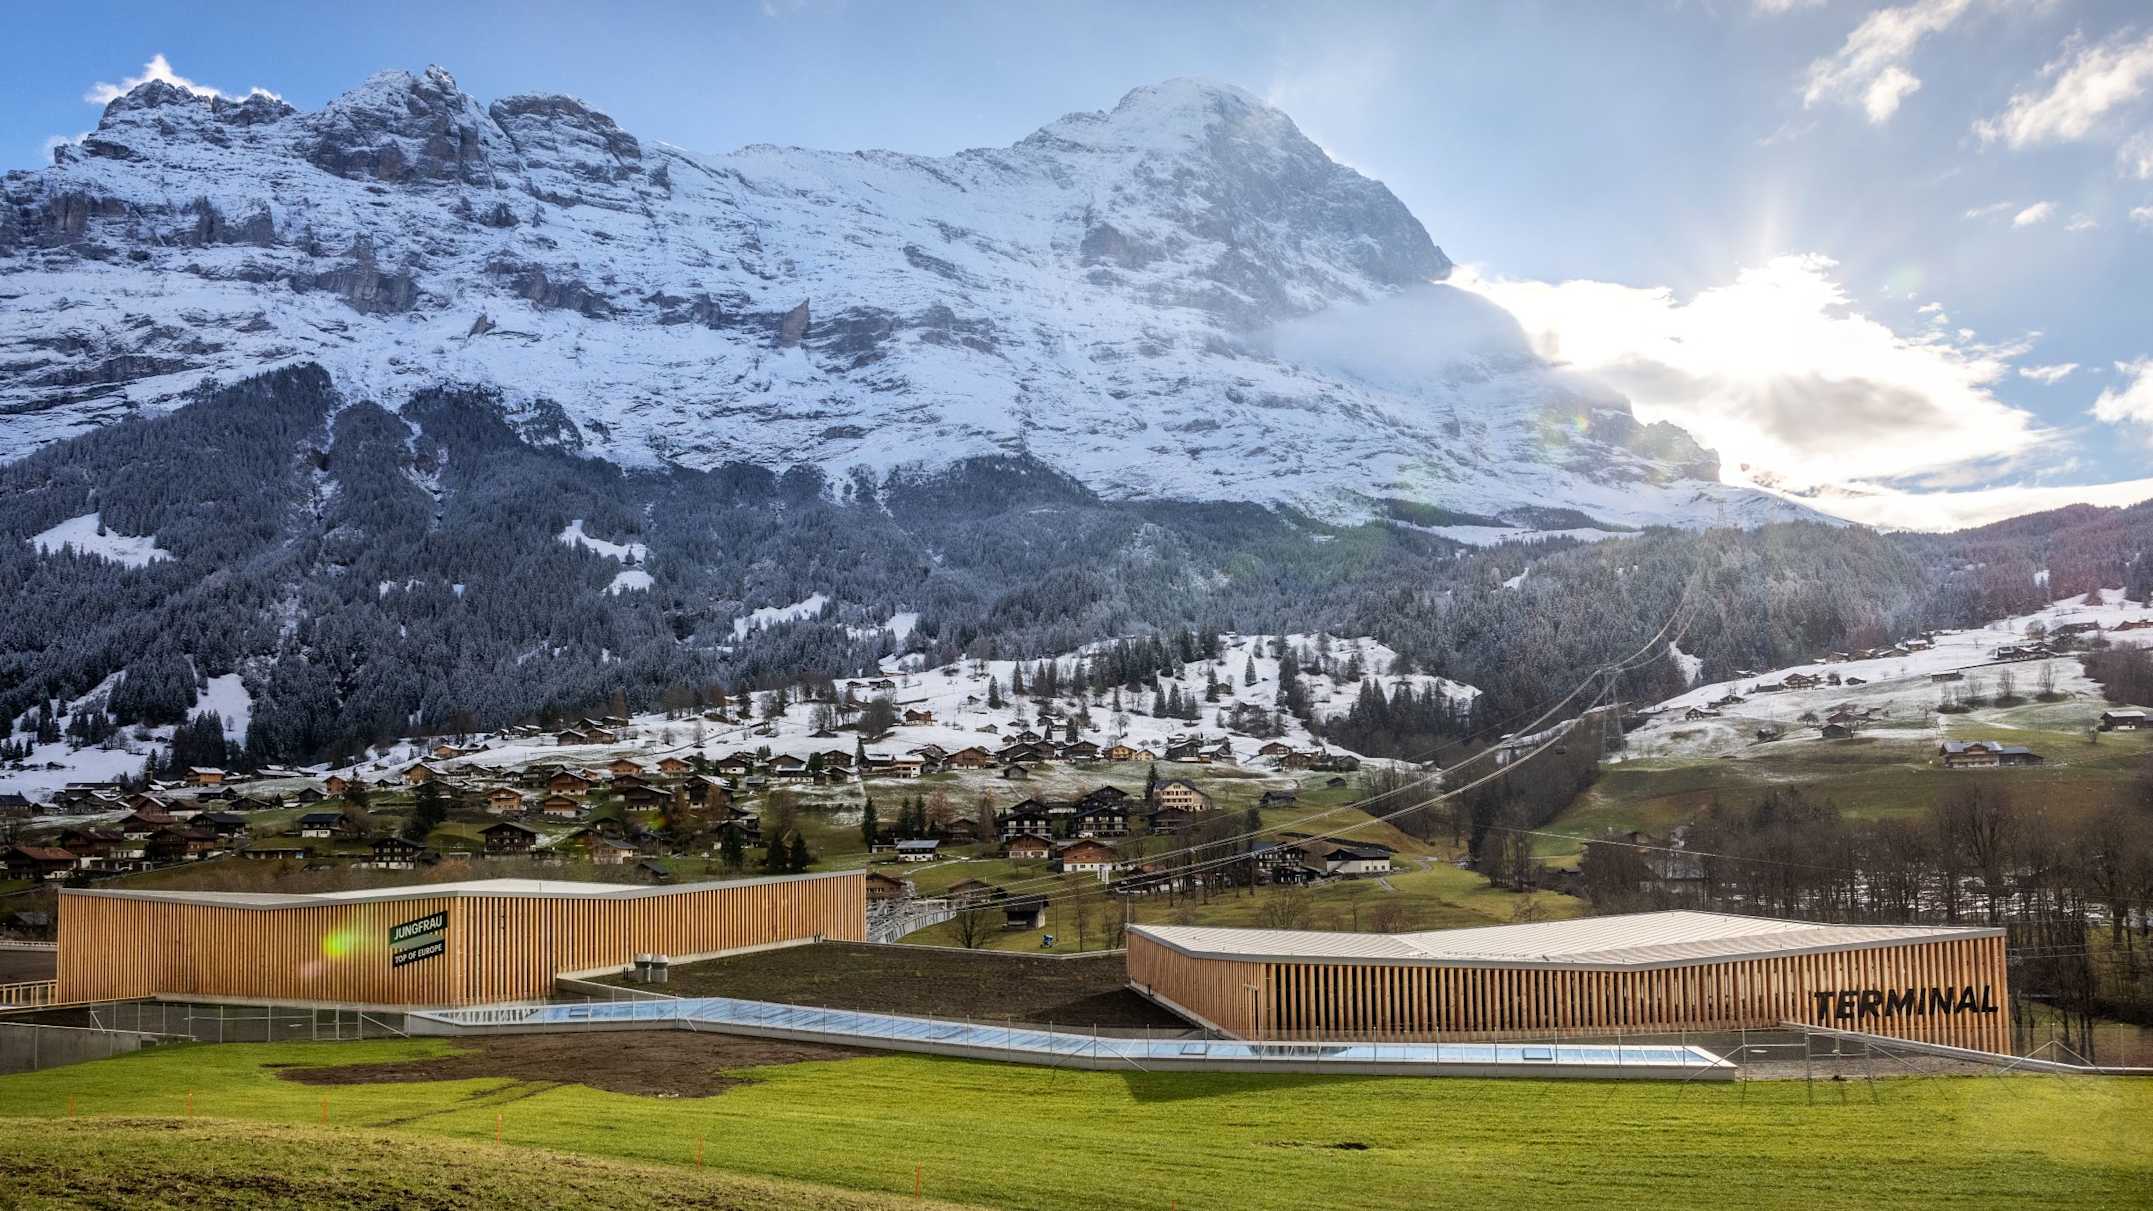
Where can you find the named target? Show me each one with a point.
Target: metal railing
(1055, 1045)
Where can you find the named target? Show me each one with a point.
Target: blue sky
(1852, 245)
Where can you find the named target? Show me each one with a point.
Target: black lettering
(1900, 1002)
(1966, 1000)
(1939, 1001)
(1988, 998)
(1872, 1000)
(1824, 1005)
(1844, 1008)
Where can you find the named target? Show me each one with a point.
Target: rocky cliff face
(1108, 295)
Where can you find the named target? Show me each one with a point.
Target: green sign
(418, 939)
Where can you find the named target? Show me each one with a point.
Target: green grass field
(1870, 776)
(1011, 1136)
(163, 1162)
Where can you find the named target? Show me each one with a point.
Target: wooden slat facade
(1430, 1001)
(496, 947)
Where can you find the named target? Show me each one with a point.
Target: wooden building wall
(1227, 994)
(1423, 1002)
(496, 947)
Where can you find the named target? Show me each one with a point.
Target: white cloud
(158, 68)
(1899, 509)
(1991, 210)
(2142, 214)
(2081, 222)
(2134, 402)
(2048, 374)
(2135, 158)
(2086, 83)
(1891, 86)
(1774, 8)
(1780, 374)
(1871, 68)
(2039, 212)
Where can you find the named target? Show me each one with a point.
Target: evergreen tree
(869, 826)
(798, 859)
(1248, 671)
(732, 854)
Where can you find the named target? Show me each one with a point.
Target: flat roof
(527, 888)
(1626, 941)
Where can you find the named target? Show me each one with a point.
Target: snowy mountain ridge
(1180, 298)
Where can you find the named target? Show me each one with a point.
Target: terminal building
(444, 944)
(1641, 973)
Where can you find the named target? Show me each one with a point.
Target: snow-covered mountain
(1182, 298)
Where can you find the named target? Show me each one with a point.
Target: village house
(1101, 818)
(201, 775)
(882, 889)
(568, 782)
(1981, 754)
(561, 807)
(1028, 847)
(420, 772)
(624, 765)
(1167, 821)
(1181, 794)
(274, 853)
(397, 853)
(1275, 749)
(38, 862)
(919, 717)
(675, 766)
(326, 824)
(918, 849)
(706, 792)
(1027, 819)
(1353, 861)
(507, 838)
(1016, 773)
(336, 784)
(1278, 798)
(2123, 720)
(504, 800)
(972, 757)
(1837, 731)
(1087, 857)
(1118, 752)
(1080, 750)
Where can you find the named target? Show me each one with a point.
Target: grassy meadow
(1013, 1136)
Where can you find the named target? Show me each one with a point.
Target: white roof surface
(1645, 939)
(467, 887)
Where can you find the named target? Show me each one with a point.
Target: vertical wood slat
(1425, 1002)
(497, 946)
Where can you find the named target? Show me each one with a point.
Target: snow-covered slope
(1896, 695)
(1180, 298)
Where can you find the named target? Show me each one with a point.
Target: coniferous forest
(373, 574)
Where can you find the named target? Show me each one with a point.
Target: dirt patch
(652, 1063)
(982, 985)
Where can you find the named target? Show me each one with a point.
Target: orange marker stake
(70, 1105)
(497, 1127)
(917, 1170)
(698, 1151)
(190, 1103)
(325, 1112)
